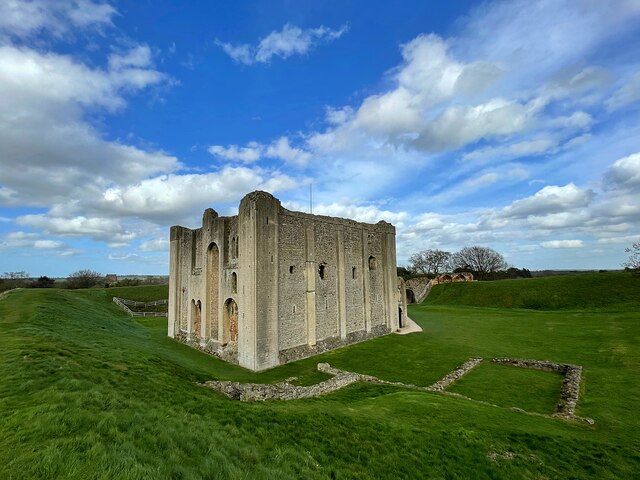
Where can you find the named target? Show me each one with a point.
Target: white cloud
(22, 18)
(280, 149)
(624, 174)
(49, 151)
(548, 200)
(562, 244)
(458, 125)
(291, 40)
(160, 244)
(23, 240)
(102, 229)
(523, 148)
(361, 213)
(249, 154)
(139, 56)
(283, 150)
(169, 198)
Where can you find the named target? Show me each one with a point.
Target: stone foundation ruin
(269, 285)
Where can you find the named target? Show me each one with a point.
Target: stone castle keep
(269, 285)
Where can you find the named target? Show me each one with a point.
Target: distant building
(110, 279)
(269, 285)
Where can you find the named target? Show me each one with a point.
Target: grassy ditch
(88, 392)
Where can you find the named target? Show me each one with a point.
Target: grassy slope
(593, 291)
(87, 392)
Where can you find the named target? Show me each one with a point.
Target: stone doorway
(231, 320)
(411, 297)
(400, 322)
(196, 318)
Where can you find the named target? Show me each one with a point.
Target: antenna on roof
(311, 198)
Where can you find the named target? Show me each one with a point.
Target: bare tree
(634, 259)
(480, 260)
(9, 280)
(83, 279)
(429, 261)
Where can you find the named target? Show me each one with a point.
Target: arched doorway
(400, 320)
(411, 297)
(230, 321)
(196, 318)
(213, 276)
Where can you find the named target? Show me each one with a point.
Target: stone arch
(411, 297)
(373, 263)
(213, 287)
(234, 282)
(196, 318)
(230, 321)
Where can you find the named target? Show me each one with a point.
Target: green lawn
(88, 392)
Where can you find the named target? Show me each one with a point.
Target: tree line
(84, 278)
(483, 262)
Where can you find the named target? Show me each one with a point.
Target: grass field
(88, 392)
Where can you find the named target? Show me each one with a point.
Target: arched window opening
(211, 303)
(373, 264)
(234, 282)
(353, 272)
(230, 321)
(291, 269)
(196, 318)
(234, 246)
(321, 270)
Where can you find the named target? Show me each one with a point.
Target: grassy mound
(588, 291)
(88, 392)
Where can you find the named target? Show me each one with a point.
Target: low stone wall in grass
(455, 375)
(252, 392)
(570, 390)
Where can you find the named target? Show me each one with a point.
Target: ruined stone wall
(356, 270)
(270, 285)
(292, 311)
(334, 285)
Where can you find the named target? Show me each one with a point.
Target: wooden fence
(124, 304)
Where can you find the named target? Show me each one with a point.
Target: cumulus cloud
(48, 148)
(291, 40)
(102, 229)
(21, 18)
(550, 199)
(624, 174)
(361, 213)
(33, 241)
(168, 198)
(283, 150)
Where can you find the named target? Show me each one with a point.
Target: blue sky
(513, 125)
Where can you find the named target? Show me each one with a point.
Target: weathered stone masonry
(270, 285)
